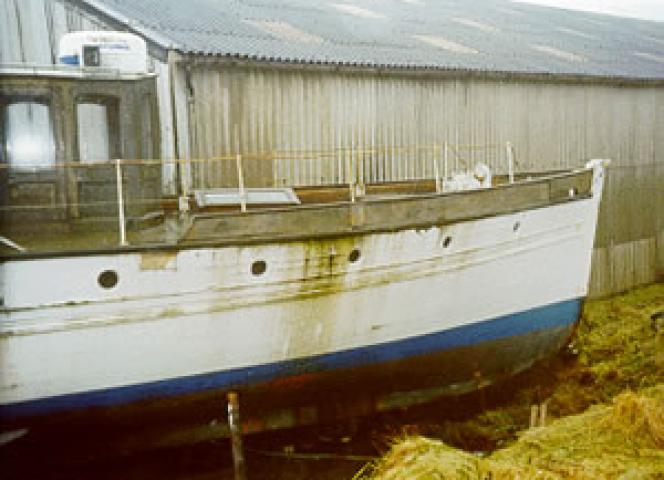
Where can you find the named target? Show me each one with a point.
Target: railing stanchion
(349, 173)
(436, 169)
(445, 160)
(240, 174)
(121, 212)
(510, 161)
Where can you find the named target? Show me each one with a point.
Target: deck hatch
(217, 197)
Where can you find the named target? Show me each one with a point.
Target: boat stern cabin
(60, 130)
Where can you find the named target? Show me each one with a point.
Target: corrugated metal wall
(308, 127)
(391, 123)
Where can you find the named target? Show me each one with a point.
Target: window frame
(112, 104)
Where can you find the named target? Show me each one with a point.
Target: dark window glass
(91, 56)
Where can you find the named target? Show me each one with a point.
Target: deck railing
(124, 191)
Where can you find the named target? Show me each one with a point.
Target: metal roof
(486, 35)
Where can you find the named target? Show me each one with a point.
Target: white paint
(204, 311)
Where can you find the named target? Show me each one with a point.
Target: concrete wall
(391, 122)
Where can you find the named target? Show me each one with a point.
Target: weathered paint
(210, 313)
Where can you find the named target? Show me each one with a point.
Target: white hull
(182, 313)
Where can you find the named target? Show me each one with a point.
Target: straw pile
(623, 440)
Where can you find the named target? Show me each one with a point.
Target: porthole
(516, 227)
(108, 279)
(354, 255)
(447, 242)
(258, 267)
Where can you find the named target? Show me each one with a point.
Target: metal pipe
(121, 212)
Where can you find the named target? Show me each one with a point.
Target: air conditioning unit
(121, 51)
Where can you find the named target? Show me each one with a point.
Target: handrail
(380, 150)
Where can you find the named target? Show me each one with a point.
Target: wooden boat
(330, 292)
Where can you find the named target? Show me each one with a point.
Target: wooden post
(120, 194)
(236, 435)
(534, 414)
(542, 413)
(538, 414)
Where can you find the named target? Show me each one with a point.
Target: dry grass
(624, 440)
(619, 373)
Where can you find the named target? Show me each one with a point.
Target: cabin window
(97, 130)
(29, 142)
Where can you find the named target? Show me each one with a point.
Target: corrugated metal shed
(494, 35)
